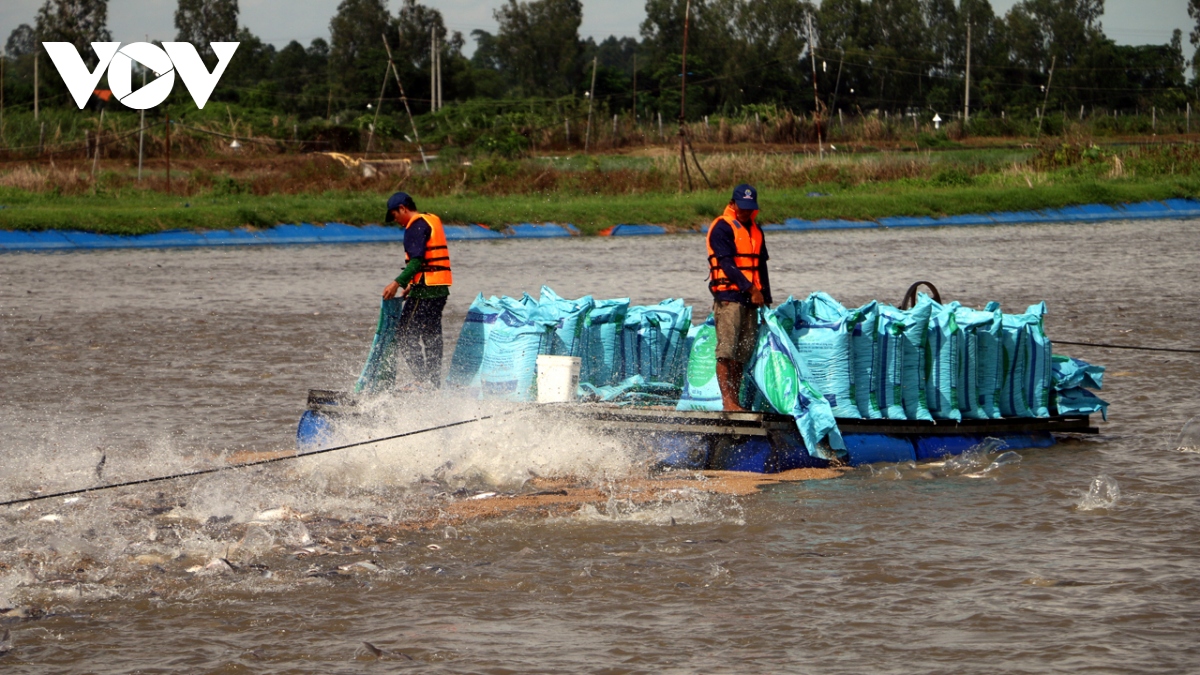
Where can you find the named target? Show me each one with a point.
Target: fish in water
(6, 643)
(380, 653)
(100, 466)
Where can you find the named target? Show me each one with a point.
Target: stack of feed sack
(467, 360)
(1072, 378)
(700, 388)
(899, 366)
(821, 331)
(979, 351)
(863, 323)
(568, 317)
(517, 336)
(779, 371)
(603, 354)
(946, 364)
(653, 342)
(1025, 364)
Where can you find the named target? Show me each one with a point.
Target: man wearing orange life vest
(737, 278)
(426, 282)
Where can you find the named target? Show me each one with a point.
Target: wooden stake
(967, 91)
(812, 53)
(1042, 112)
(168, 154)
(96, 152)
(683, 171)
(379, 105)
(404, 99)
(591, 101)
(142, 132)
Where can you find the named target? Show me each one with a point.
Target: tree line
(891, 56)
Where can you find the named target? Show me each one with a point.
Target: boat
(750, 441)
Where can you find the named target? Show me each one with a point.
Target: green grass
(136, 212)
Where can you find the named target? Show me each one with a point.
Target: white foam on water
(517, 443)
(1103, 494)
(1189, 436)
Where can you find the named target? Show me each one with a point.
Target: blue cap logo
(746, 197)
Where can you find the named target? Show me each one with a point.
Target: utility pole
(967, 90)
(404, 99)
(37, 56)
(812, 53)
(687, 10)
(2, 60)
(1042, 112)
(591, 101)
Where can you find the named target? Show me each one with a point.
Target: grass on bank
(592, 193)
(148, 213)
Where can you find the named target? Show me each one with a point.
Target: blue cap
(396, 201)
(745, 197)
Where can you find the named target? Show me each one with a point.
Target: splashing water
(1189, 436)
(1103, 494)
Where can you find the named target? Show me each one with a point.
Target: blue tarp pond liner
(339, 233)
(540, 230)
(633, 230)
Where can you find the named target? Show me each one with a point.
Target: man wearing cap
(426, 283)
(737, 279)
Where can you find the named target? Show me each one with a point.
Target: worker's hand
(404, 293)
(756, 297)
(389, 291)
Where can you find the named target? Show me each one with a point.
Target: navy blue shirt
(416, 235)
(725, 250)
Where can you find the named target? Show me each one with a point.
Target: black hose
(260, 462)
(1141, 349)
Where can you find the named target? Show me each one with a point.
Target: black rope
(1141, 349)
(231, 467)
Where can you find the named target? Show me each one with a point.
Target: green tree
(202, 22)
(1193, 10)
(414, 24)
(357, 58)
(20, 42)
(80, 22)
(538, 45)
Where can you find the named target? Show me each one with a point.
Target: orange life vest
(435, 270)
(748, 241)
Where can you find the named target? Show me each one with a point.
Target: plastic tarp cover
(467, 360)
(568, 318)
(946, 363)
(820, 330)
(1079, 401)
(603, 326)
(517, 337)
(862, 343)
(779, 372)
(1069, 372)
(379, 372)
(701, 390)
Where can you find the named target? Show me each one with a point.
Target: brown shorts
(737, 330)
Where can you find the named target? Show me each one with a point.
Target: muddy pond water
(158, 362)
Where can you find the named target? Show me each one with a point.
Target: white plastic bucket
(557, 378)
